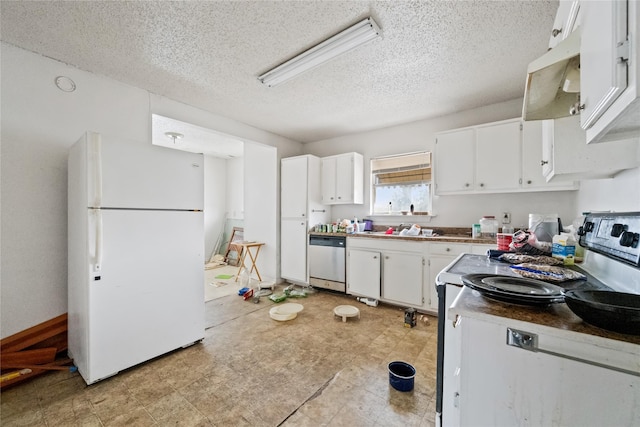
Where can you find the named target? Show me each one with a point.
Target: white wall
(451, 211)
(39, 124)
(621, 193)
(262, 196)
(215, 196)
(235, 188)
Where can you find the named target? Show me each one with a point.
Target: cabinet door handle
(544, 162)
(375, 257)
(457, 320)
(555, 32)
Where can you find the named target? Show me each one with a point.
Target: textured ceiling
(435, 57)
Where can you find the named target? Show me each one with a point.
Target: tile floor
(251, 370)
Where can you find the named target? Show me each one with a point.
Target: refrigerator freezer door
(148, 297)
(139, 175)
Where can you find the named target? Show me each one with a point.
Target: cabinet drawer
(448, 248)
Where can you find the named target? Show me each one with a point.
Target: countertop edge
(561, 322)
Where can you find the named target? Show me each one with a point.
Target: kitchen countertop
(557, 318)
(449, 238)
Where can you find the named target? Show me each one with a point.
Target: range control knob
(617, 230)
(588, 226)
(629, 239)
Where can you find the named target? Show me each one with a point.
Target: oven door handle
(529, 341)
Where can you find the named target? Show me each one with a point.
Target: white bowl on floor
(286, 311)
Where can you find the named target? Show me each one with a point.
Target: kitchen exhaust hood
(553, 82)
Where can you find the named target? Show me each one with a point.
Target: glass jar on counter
(488, 226)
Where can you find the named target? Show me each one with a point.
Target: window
(397, 182)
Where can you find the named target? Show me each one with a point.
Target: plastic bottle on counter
(475, 231)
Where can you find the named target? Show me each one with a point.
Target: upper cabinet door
(567, 19)
(604, 55)
(454, 161)
(344, 178)
(293, 187)
(329, 165)
(498, 156)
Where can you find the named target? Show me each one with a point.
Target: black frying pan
(614, 311)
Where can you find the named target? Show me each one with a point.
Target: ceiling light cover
(354, 36)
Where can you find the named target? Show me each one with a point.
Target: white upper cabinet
(343, 179)
(609, 71)
(454, 161)
(536, 160)
(294, 184)
(567, 20)
(499, 157)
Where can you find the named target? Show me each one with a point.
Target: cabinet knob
(555, 32)
(529, 182)
(481, 184)
(302, 214)
(339, 197)
(375, 257)
(466, 184)
(448, 249)
(386, 257)
(544, 162)
(576, 108)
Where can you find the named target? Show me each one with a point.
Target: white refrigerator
(135, 253)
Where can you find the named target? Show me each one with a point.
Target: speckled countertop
(471, 303)
(442, 234)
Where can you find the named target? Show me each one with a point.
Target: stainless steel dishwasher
(327, 257)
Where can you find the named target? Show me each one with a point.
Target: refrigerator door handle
(98, 249)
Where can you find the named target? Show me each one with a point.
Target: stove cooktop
(482, 264)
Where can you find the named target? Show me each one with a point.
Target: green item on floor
(277, 297)
(224, 276)
(297, 294)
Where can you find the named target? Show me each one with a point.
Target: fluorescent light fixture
(354, 36)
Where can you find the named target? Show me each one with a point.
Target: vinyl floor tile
(250, 370)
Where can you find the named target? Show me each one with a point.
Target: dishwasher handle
(330, 241)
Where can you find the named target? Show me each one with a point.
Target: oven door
(448, 357)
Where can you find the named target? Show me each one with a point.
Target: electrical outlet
(506, 218)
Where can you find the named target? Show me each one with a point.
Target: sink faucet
(399, 228)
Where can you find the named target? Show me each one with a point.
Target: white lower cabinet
(402, 277)
(502, 385)
(399, 271)
(389, 270)
(293, 251)
(363, 272)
